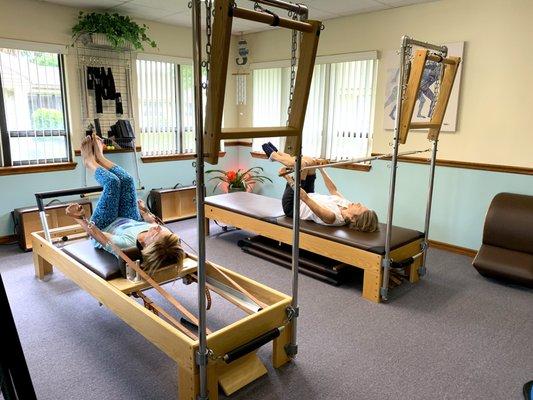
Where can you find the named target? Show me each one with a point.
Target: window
(166, 107)
(338, 120)
(33, 119)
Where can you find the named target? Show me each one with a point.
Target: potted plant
(111, 30)
(238, 181)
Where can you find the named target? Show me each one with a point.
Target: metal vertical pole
(394, 164)
(432, 165)
(136, 162)
(202, 355)
(425, 246)
(292, 348)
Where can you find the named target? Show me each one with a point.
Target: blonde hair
(367, 221)
(163, 252)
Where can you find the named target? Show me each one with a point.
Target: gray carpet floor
(456, 335)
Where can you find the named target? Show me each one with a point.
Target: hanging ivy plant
(119, 30)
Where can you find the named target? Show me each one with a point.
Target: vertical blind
(339, 110)
(34, 107)
(166, 108)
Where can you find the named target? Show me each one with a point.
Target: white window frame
(180, 61)
(326, 60)
(61, 50)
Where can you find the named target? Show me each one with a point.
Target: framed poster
(428, 86)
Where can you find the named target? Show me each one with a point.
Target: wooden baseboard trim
(174, 157)
(510, 169)
(8, 239)
(453, 248)
(238, 143)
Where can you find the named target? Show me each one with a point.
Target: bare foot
(86, 150)
(98, 147)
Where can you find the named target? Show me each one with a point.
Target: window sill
(31, 169)
(138, 148)
(174, 157)
(353, 167)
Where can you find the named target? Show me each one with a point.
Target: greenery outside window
(33, 109)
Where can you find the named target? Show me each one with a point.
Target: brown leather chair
(507, 249)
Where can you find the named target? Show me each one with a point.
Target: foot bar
(252, 345)
(272, 20)
(61, 193)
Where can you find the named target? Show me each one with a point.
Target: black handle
(252, 345)
(61, 193)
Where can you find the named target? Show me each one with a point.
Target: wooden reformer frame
(119, 296)
(370, 263)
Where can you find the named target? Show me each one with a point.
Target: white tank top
(331, 202)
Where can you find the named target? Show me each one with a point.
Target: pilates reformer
(232, 359)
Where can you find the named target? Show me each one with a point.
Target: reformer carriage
(226, 356)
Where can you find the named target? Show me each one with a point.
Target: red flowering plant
(239, 180)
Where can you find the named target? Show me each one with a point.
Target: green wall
(18, 190)
(461, 197)
(460, 202)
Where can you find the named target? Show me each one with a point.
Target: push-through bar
(356, 161)
(271, 19)
(62, 193)
(429, 46)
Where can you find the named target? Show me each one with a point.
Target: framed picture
(428, 87)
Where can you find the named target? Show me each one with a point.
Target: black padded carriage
(269, 209)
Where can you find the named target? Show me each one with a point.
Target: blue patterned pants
(118, 199)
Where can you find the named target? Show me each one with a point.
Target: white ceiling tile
(176, 12)
(172, 6)
(400, 3)
(96, 4)
(181, 19)
(143, 12)
(347, 7)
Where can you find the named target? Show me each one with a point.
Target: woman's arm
(326, 215)
(330, 185)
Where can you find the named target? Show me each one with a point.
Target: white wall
(497, 85)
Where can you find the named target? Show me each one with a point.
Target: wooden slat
(240, 373)
(302, 85)
(221, 39)
(269, 19)
(258, 132)
(445, 90)
(411, 93)
(423, 125)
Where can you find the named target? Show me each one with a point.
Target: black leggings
(287, 201)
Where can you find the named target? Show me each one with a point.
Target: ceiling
(176, 12)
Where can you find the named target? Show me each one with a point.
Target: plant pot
(100, 40)
(236, 189)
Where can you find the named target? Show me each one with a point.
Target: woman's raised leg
(106, 210)
(127, 206)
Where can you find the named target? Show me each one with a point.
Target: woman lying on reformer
(333, 209)
(122, 218)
